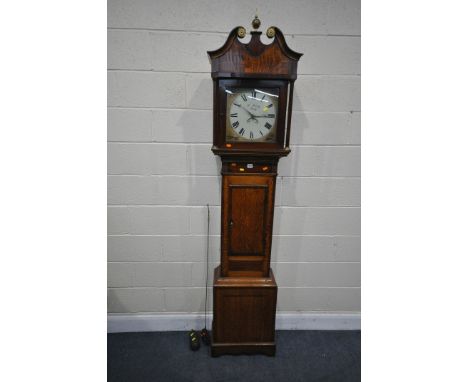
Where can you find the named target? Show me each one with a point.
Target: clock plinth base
(244, 312)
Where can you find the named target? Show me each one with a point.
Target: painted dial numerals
(252, 114)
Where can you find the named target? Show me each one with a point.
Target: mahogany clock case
(247, 220)
(244, 288)
(277, 87)
(244, 315)
(253, 65)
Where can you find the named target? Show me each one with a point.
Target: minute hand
(261, 116)
(251, 115)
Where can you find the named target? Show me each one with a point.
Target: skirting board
(119, 323)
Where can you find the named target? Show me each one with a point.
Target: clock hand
(251, 115)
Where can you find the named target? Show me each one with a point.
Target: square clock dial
(251, 115)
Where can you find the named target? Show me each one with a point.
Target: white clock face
(251, 116)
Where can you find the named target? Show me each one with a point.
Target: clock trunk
(248, 202)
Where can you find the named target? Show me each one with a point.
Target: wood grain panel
(247, 219)
(246, 223)
(244, 314)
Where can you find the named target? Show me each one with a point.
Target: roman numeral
(268, 126)
(251, 135)
(270, 105)
(235, 115)
(254, 93)
(271, 116)
(235, 124)
(260, 131)
(241, 131)
(243, 96)
(263, 97)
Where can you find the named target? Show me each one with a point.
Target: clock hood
(254, 59)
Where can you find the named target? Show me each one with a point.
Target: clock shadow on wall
(201, 164)
(200, 161)
(289, 166)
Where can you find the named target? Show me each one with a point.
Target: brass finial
(256, 22)
(241, 32)
(270, 32)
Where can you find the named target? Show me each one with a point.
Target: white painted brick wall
(162, 172)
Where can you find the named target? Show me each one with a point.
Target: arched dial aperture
(252, 115)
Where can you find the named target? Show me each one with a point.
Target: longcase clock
(252, 93)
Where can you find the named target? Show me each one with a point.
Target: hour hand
(271, 115)
(251, 115)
